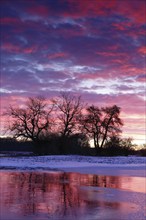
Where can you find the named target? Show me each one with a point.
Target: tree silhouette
(101, 123)
(33, 122)
(68, 110)
(111, 122)
(71, 128)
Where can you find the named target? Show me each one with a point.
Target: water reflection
(58, 195)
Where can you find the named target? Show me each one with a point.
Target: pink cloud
(86, 8)
(30, 50)
(122, 26)
(134, 10)
(17, 49)
(121, 62)
(117, 60)
(57, 55)
(10, 47)
(110, 54)
(142, 50)
(131, 70)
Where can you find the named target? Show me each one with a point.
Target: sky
(92, 48)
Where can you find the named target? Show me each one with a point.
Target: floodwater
(27, 195)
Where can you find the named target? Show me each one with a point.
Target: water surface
(59, 195)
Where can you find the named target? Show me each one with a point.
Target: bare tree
(91, 124)
(111, 123)
(32, 122)
(101, 123)
(68, 110)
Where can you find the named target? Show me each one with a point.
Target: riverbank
(125, 166)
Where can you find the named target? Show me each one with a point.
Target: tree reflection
(53, 193)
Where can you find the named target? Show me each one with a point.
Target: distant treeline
(74, 144)
(77, 146)
(11, 144)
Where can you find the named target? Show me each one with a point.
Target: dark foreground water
(68, 196)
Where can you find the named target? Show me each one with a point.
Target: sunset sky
(92, 48)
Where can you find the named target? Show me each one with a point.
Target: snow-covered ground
(131, 165)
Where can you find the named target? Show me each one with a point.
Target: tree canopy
(101, 123)
(32, 122)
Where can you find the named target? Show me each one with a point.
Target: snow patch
(70, 161)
